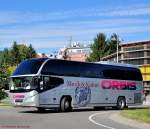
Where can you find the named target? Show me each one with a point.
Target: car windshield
(23, 83)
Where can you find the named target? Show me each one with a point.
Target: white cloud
(131, 12)
(52, 29)
(11, 17)
(71, 28)
(58, 37)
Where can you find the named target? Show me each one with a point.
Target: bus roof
(112, 63)
(116, 64)
(32, 66)
(102, 62)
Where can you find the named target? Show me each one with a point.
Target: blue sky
(48, 24)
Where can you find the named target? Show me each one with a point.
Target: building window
(134, 54)
(148, 53)
(148, 61)
(133, 48)
(148, 46)
(148, 84)
(135, 62)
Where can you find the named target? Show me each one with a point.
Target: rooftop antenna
(70, 41)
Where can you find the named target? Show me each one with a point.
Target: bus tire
(121, 103)
(65, 105)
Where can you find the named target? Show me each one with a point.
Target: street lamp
(117, 48)
(116, 38)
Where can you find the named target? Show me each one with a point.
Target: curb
(146, 103)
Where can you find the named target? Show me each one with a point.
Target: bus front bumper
(29, 99)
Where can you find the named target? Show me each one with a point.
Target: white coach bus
(51, 83)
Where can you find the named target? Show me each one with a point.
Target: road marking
(93, 121)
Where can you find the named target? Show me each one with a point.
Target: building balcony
(135, 58)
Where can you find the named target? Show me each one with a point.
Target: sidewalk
(147, 103)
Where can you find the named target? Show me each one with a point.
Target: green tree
(31, 52)
(15, 53)
(6, 57)
(114, 39)
(65, 56)
(3, 80)
(1, 56)
(23, 52)
(100, 48)
(10, 70)
(9, 58)
(113, 43)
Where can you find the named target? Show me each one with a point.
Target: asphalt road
(29, 118)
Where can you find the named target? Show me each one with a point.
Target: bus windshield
(24, 83)
(29, 67)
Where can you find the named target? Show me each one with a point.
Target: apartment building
(136, 53)
(75, 52)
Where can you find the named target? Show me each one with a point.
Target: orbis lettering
(118, 85)
(18, 96)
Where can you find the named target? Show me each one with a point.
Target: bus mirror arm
(41, 85)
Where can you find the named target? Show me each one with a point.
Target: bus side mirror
(41, 85)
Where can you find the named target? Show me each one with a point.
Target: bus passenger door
(49, 92)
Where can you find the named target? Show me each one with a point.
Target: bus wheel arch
(65, 103)
(121, 103)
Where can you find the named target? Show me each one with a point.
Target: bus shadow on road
(39, 112)
(82, 110)
(57, 111)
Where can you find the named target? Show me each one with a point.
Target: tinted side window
(91, 70)
(133, 75)
(139, 76)
(61, 68)
(114, 74)
(122, 74)
(52, 67)
(28, 67)
(78, 69)
(70, 68)
(52, 82)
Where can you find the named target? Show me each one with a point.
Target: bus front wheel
(65, 105)
(121, 103)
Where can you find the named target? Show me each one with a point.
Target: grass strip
(142, 115)
(5, 103)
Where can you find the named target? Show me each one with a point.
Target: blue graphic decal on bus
(83, 95)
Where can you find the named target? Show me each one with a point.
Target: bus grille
(19, 100)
